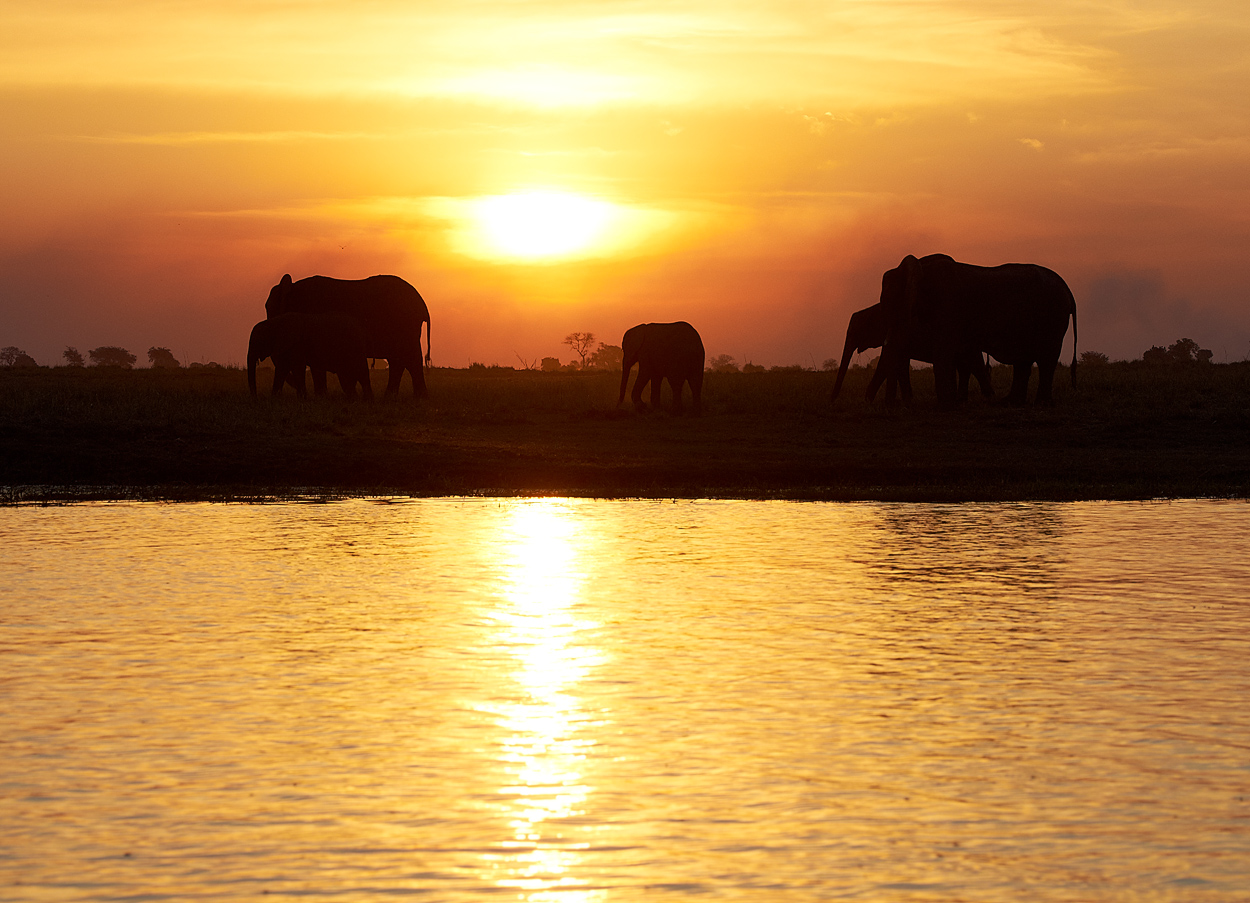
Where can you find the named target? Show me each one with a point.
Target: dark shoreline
(1126, 432)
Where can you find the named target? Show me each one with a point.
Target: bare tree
(580, 342)
(527, 365)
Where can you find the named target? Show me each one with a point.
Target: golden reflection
(545, 742)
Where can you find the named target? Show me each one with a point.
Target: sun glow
(542, 224)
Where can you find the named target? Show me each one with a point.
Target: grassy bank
(1126, 431)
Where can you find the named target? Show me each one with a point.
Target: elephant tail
(427, 339)
(1072, 369)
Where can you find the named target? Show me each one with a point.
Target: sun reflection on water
(545, 740)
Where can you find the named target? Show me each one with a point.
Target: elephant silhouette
(867, 329)
(388, 309)
(672, 351)
(333, 343)
(1017, 312)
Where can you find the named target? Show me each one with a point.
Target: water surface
(584, 700)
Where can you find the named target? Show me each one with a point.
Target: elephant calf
(333, 343)
(672, 351)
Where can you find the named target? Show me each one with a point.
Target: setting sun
(541, 224)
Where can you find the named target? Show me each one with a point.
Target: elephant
(672, 351)
(388, 309)
(1017, 313)
(321, 342)
(867, 330)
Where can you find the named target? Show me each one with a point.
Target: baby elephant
(324, 343)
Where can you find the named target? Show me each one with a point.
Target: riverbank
(1125, 432)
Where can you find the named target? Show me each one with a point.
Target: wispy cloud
(180, 139)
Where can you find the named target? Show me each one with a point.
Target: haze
(540, 168)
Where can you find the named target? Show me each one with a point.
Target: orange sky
(752, 167)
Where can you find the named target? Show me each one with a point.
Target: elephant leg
(1045, 381)
(318, 380)
(696, 392)
(1020, 374)
(945, 383)
(904, 383)
(985, 378)
(965, 376)
(418, 378)
(279, 378)
(878, 377)
(394, 374)
(636, 395)
(657, 391)
(677, 385)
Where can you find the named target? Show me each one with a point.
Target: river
(580, 700)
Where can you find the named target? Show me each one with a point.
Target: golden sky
(536, 168)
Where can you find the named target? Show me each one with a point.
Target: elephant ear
(913, 275)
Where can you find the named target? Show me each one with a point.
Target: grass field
(1126, 431)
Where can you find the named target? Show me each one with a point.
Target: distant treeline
(1182, 352)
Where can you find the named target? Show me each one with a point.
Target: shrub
(111, 356)
(162, 357)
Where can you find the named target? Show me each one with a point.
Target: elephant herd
(932, 309)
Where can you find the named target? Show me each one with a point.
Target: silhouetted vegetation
(73, 358)
(1093, 359)
(1128, 430)
(162, 357)
(606, 357)
(1181, 353)
(13, 356)
(722, 363)
(111, 356)
(580, 342)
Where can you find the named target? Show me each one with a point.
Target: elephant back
(389, 310)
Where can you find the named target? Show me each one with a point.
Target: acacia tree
(111, 356)
(722, 363)
(580, 342)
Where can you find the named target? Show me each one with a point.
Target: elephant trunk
(626, 366)
(847, 351)
(257, 350)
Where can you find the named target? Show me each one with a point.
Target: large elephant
(324, 343)
(1017, 313)
(389, 310)
(867, 330)
(671, 351)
